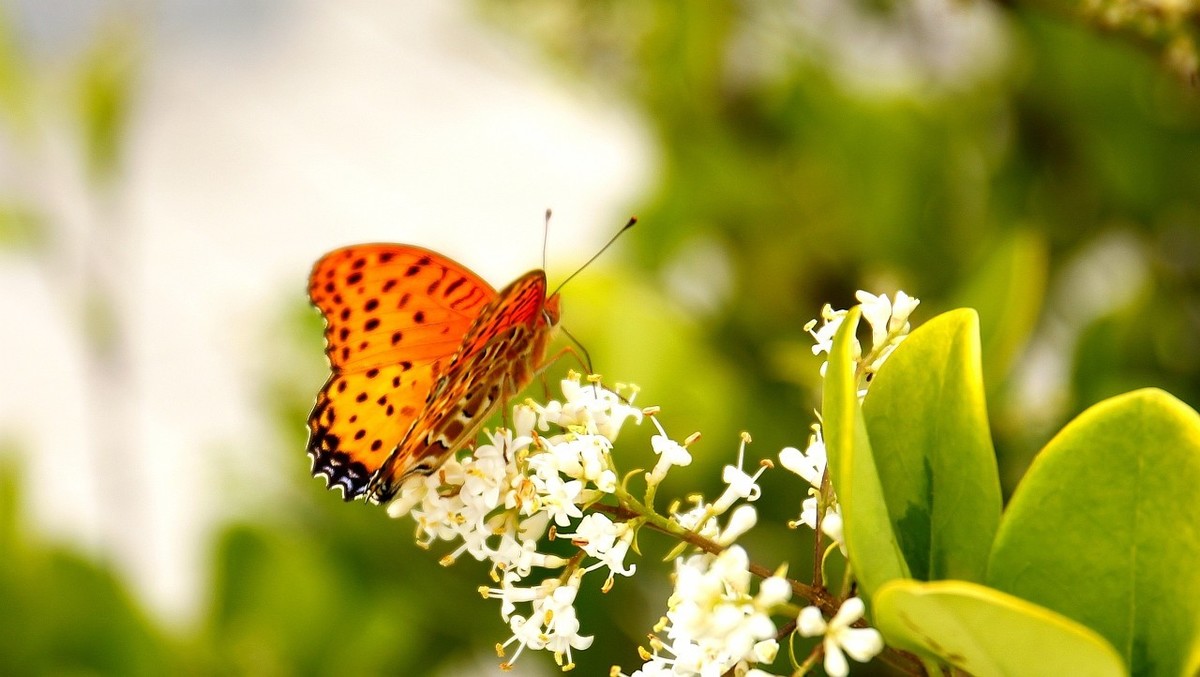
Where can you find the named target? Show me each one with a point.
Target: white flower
(823, 336)
(742, 519)
(485, 474)
(552, 625)
(510, 595)
(562, 624)
(810, 463)
(773, 591)
(862, 644)
(765, 652)
(607, 541)
(901, 309)
(670, 453)
(808, 512)
(740, 484)
(699, 519)
(831, 521)
(831, 526)
(877, 311)
(655, 667)
(534, 526)
(520, 556)
(888, 321)
(583, 457)
(596, 410)
(557, 498)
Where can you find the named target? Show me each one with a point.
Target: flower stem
(630, 508)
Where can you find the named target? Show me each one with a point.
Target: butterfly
(421, 352)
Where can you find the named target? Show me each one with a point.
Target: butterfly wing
(498, 357)
(395, 315)
(522, 303)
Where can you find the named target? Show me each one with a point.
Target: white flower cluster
(889, 326)
(553, 476)
(701, 518)
(713, 623)
(888, 322)
(500, 499)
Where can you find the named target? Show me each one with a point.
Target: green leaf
(926, 417)
(1007, 292)
(873, 551)
(987, 632)
(1105, 529)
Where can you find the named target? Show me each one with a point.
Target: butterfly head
(551, 311)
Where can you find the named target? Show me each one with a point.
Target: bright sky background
(266, 133)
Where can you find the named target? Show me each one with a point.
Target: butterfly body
(421, 351)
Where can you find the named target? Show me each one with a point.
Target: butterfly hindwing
(395, 316)
(358, 419)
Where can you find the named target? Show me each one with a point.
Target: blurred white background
(263, 134)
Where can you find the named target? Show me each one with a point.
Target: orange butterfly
(422, 351)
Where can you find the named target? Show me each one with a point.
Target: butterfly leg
(507, 388)
(583, 360)
(564, 352)
(505, 403)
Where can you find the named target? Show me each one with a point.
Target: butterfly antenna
(545, 237)
(627, 226)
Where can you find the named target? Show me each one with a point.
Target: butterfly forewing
(395, 316)
(388, 303)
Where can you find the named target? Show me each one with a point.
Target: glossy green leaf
(1105, 529)
(874, 553)
(987, 632)
(926, 417)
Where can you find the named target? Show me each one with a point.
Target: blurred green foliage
(62, 613)
(106, 84)
(990, 188)
(782, 182)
